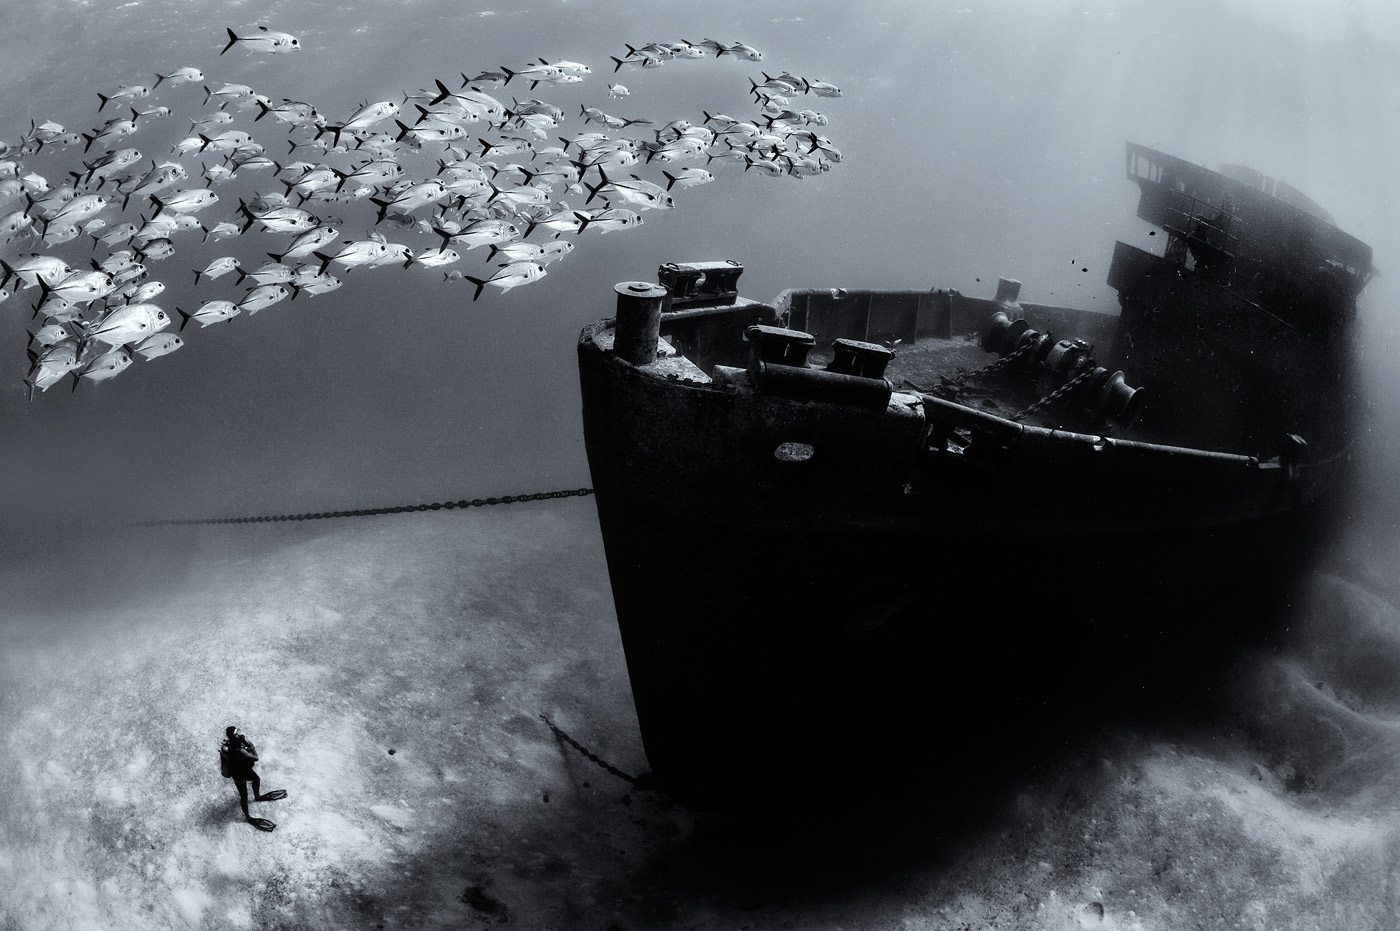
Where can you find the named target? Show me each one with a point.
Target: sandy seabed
(393, 671)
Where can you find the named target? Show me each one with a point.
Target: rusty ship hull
(820, 549)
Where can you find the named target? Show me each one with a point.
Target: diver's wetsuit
(241, 757)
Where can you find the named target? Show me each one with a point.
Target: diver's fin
(273, 796)
(262, 824)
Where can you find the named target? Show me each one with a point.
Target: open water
(978, 140)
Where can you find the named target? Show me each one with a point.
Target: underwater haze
(977, 140)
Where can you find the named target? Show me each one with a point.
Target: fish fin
(671, 179)
(508, 73)
(159, 77)
(185, 318)
(492, 246)
(102, 97)
(232, 38)
(617, 67)
(325, 260)
(443, 93)
(404, 130)
(479, 285)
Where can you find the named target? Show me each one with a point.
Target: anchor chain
(996, 366)
(642, 782)
(1055, 395)
(371, 512)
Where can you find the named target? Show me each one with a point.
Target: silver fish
(220, 266)
(185, 201)
(281, 219)
(157, 345)
(263, 296)
(209, 313)
(435, 257)
(125, 92)
(222, 230)
(79, 287)
(306, 243)
(687, 177)
(50, 334)
(607, 221)
(108, 365)
(265, 40)
(509, 276)
(180, 76)
(128, 323)
(229, 93)
(268, 273)
(50, 267)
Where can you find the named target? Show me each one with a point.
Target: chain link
(372, 512)
(637, 782)
(1058, 393)
(996, 366)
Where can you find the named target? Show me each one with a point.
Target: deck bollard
(638, 321)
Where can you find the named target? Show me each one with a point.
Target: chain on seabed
(371, 512)
(642, 782)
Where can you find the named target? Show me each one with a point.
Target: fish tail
(492, 254)
(670, 179)
(617, 67)
(403, 130)
(509, 74)
(325, 260)
(479, 285)
(184, 317)
(104, 98)
(159, 77)
(197, 273)
(232, 38)
(584, 219)
(593, 188)
(263, 109)
(87, 146)
(383, 205)
(443, 93)
(207, 94)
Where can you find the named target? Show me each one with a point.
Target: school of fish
(86, 216)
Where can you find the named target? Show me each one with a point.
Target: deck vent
(853, 357)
